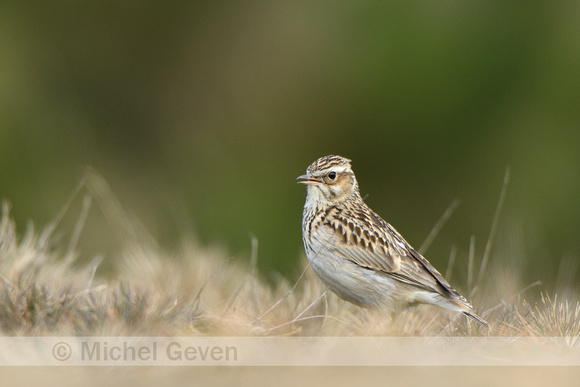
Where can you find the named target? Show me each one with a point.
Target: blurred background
(200, 116)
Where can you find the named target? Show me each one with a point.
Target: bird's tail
(476, 318)
(460, 304)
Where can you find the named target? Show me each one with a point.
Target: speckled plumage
(362, 258)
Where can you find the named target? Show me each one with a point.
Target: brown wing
(365, 239)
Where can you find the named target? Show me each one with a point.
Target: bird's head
(330, 180)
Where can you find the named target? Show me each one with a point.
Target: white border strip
(288, 351)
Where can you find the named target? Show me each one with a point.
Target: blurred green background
(200, 115)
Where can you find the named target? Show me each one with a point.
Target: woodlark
(362, 258)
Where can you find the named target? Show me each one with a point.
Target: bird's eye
(332, 175)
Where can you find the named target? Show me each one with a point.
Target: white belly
(358, 285)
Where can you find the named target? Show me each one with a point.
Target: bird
(361, 257)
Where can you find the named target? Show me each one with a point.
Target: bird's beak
(307, 180)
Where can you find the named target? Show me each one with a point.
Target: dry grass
(202, 291)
